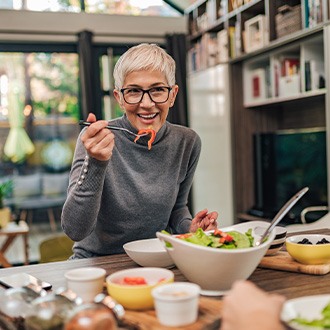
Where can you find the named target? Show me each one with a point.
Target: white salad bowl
(148, 253)
(214, 269)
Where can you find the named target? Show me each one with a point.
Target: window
(115, 7)
(40, 90)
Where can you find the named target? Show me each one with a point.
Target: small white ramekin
(176, 303)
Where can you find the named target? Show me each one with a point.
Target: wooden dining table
(289, 284)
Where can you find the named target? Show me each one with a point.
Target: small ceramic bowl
(86, 282)
(176, 303)
(278, 242)
(309, 254)
(132, 287)
(148, 253)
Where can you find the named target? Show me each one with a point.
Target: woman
(120, 190)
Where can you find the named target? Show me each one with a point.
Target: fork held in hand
(87, 123)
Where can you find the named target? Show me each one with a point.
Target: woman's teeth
(148, 116)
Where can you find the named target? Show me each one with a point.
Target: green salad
(322, 323)
(219, 239)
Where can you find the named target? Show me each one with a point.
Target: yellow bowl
(137, 297)
(309, 254)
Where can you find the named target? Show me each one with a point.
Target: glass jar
(102, 314)
(15, 304)
(91, 316)
(51, 311)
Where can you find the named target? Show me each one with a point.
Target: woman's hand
(204, 220)
(246, 307)
(98, 140)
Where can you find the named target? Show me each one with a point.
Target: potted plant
(5, 212)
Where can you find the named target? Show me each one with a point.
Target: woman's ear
(117, 95)
(173, 94)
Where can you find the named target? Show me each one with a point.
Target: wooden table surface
(289, 284)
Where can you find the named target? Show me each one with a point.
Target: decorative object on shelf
(288, 20)
(256, 33)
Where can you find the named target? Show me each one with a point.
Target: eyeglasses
(158, 94)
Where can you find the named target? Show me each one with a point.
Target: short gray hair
(144, 57)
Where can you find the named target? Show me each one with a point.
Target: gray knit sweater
(133, 195)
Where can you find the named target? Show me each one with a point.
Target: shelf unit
(295, 100)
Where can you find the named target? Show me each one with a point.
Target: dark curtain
(86, 74)
(176, 47)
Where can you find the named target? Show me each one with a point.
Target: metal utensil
(281, 213)
(86, 123)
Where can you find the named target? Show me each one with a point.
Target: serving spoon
(281, 213)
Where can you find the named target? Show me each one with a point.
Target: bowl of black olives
(309, 249)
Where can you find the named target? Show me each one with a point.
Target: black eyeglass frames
(159, 94)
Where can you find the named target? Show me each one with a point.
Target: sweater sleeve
(80, 210)
(180, 219)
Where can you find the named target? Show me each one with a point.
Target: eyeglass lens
(156, 94)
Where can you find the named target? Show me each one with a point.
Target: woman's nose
(147, 101)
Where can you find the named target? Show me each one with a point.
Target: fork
(86, 123)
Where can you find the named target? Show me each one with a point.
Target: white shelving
(288, 73)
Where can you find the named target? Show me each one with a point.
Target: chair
(39, 191)
(321, 223)
(55, 248)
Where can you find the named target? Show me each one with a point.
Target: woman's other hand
(98, 140)
(247, 307)
(204, 220)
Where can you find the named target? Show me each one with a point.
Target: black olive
(323, 241)
(305, 241)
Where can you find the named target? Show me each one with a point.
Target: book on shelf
(211, 12)
(288, 81)
(204, 53)
(313, 75)
(290, 66)
(192, 59)
(212, 49)
(277, 73)
(232, 42)
(222, 41)
(258, 84)
(238, 38)
(268, 81)
(313, 11)
(222, 8)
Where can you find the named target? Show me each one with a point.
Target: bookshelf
(277, 53)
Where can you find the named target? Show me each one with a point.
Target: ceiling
(181, 5)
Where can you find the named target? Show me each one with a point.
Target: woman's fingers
(204, 220)
(201, 214)
(91, 117)
(97, 139)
